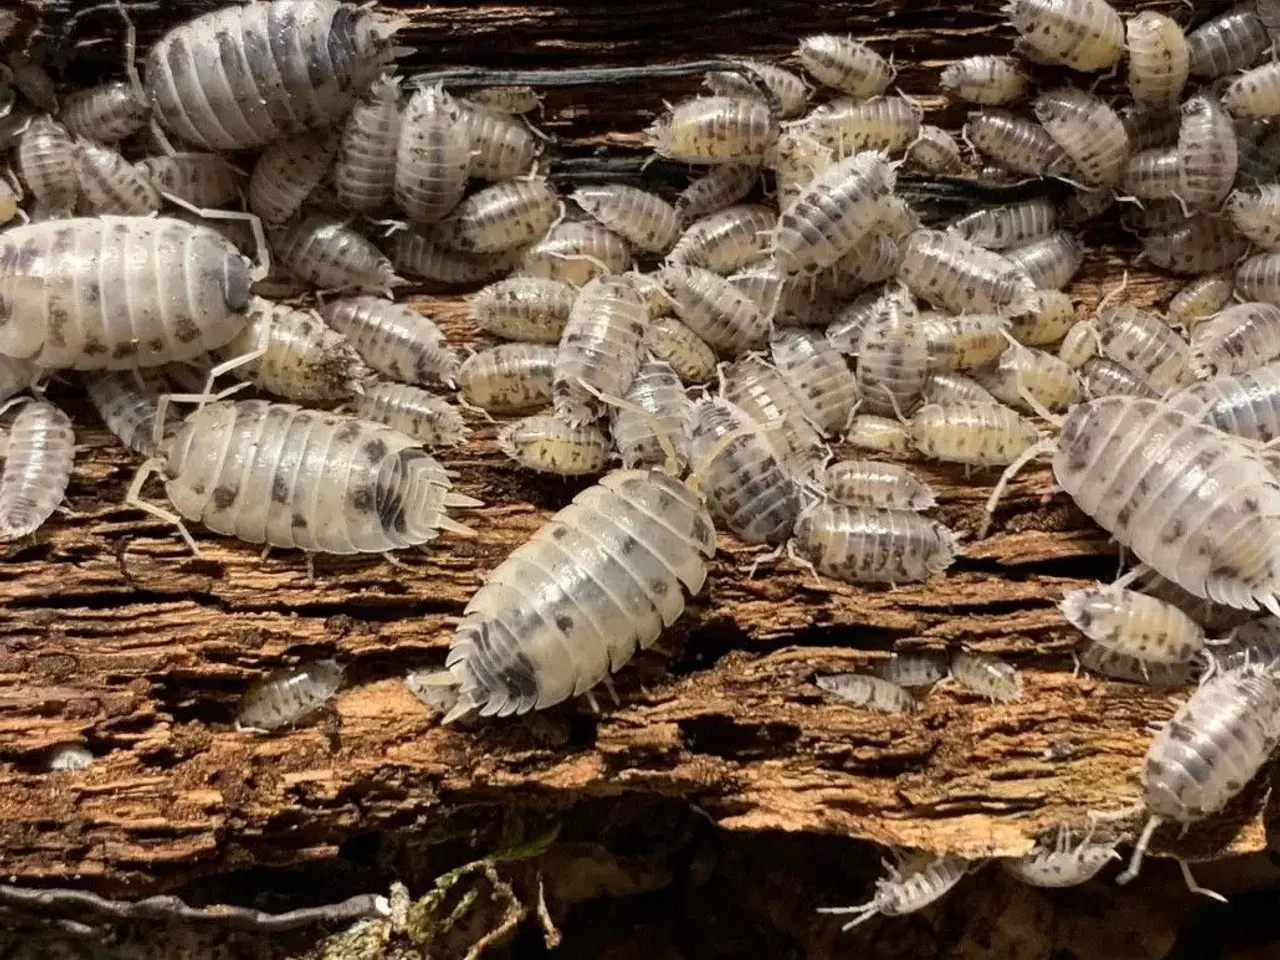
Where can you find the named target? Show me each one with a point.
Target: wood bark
(112, 634)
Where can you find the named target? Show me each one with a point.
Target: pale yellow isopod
(848, 126)
(728, 240)
(666, 338)
(501, 217)
(643, 219)
(844, 64)
(549, 444)
(533, 309)
(934, 150)
(878, 435)
(1085, 35)
(1208, 155)
(988, 80)
(1159, 59)
(509, 378)
(1089, 132)
(715, 130)
(577, 252)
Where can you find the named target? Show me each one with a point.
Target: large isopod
(1208, 156)
(713, 308)
(715, 130)
(277, 474)
(246, 75)
(962, 277)
(1089, 132)
(871, 483)
(433, 156)
(600, 580)
(1245, 404)
(509, 378)
(37, 468)
(1228, 42)
(985, 79)
(110, 293)
(1159, 59)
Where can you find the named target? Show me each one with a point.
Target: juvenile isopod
(206, 180)
(1085, 35)
(287, 172)
(288, 696)
(715, 130)
(1134, 624)
(726, 240)
(1246, 404)
(998, 228)
(1101, 377)
(1051, 261)
(873, 259)
(868, 691)
(1143, 344)
(844, 64)
(1061, 865)
(914, 669)
(974, 434)
(433, 156)
(111, 293)
(364, 171)
(966, 342)
(986, 676)
(428, 258)
(301, 359)
(795, 159)
(548, 444)
(745, 480)
(257, 88)
(790, 90)
(1200, 245)
(1013, 142)
(509, 378)
(513, 100)
(917, 882)
(1240, 338)
(600, 580)
(934, 150)
(577, 252)
(666, 338)
(280, 475)
(127, 403)
(1231, 41)
(643, 219)
(327, 252)
(501, 146)
(872, 483)
(1254, 93)
(727, 320)
(107, 112)
(110, 184)
(829, 216)
(757, 387)
(893, 363)
(532, 309)
(878, 435)
(640, 439)
(1099, 659)
(1207, 153)
(70, 756)
(869, 545)
(985, 79)
(948, 388)
(824, 386)
(393, 339)
(599, 348)
(888, 124)
(429, 419)
(1206, 753)
(1088, 131)
(721, 186)
(1159, 59)
(504, 216)
(37, 468)
(1258, 278)
(1256, 214)
(962, 277)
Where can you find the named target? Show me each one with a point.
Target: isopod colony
(699, 352)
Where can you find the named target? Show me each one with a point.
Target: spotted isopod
(1048, 322)
(888, 124)
(998, 228)
(577, 252)
(1229, 42)
(947, 388)
(872, 483)
(111, 293)
(1240, 338)
(433, 156)
(985, 79)
(318, 482)
(426, 257)
(824, 386)
(288, 696)
(844, 64)
(966, 342)
(726, 240)
(1206, 753)
(599, 348)
(598, 581)
(1199, 245)
(721, 186)
(287, 172)
(37, 468)
(532, 309)
(666, 338)
(1208, 156)
(502, 147)
(107, 112)
(715, 130)
(727, 320)
(128, 405)
(746, 482)
(657, 392)
(893, 363)
(962, 277)
(70, 756)
(973, 434)
(1101, 377)
(1152, 174)
(508, 99)
(364, 170)
(914, 669)
(934, 150)
(1256, 214)
(110, 184)
(1061, 865)
(1245, 404)
(1146, 628)
(1099, 659)
(509, 378)
(201, 179)
(260, 89)
(869, 545)
(1258, 278)
(1088, 131)
(643, 219)
(1085, 35)
(789, 89)
(393, 339)
(793, 299)
(1159, 59)
(504, 216)
(920, 880)
(873, 259)
(1144, 345)
(878, 435)
(1013, 142)
(760, 390)
(429, 419)
(795, 158)
(868, 691)
(986, 676)
(548, 444)
(327, 252)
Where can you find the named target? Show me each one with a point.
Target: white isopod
(364, 171)
(643, 219)
(876, 484)
(868, 691)
(532, 309)
(600, 348)
(128, 405)
(548, 444)
(917, 882)
(1238, 339)
(393, 339)
(844, 64)
(287, 172)
(985, 79)
(509, 378)
(986, 676)
(37, 468)
(433, 156)
(287, 696)
(1061, 865)
(974, 434)
(870, 545)
(657, 411)
(431, 420)
(1146, 628)
(1085, 35)
(327, 252)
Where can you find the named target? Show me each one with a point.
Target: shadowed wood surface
(112, 634)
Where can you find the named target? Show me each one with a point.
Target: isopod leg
(1139, 851)
(133, 498)
(1195, 887)
(263, 261)
(1011, 471)
(671, 465)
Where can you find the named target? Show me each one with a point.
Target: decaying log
(112, 634)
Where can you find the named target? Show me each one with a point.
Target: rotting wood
(113, 634)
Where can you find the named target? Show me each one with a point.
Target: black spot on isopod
(659, 588)
(64, 239)
(120, 228)
(1173, 532)
(629, 545)
(1180, 732)
(122, 351)
(1250, 505)
(224, 496)
(361, 499)
(92, 294)
(299, 522)
(156, 344)
(564, 623)
(1124, 515)
(185, 329)
(93, 347)
(559, 532)
(375, 450)
(348, 431)
(279, 490)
